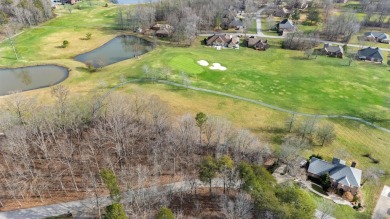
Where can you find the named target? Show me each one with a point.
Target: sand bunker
(203, 63)
(217, 66)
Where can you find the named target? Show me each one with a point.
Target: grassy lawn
(280, 77)
(324, 85)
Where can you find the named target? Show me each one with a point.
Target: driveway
(382, 208)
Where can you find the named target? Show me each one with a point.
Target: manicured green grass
(285, 78)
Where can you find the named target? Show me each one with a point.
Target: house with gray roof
(342, 177)
(377, 36)
(286, 25)
(371, 54)
(223, 40)
(333, 51)
(257, 43)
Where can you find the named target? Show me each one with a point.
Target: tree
(373, 175)
(290, 153)
(309, 53)
(313, 15)
(308, 127)
(326, 134)
(65, 44)
(225, 168)
(290, 122)
(115, 210)
(325, 181)
(296, 14)
(208, 170)
(200, 119)
(165, 213)
(111, 182)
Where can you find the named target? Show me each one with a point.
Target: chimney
(353, 164)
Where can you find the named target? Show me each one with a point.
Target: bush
(65, 44)
(165, 213)
(88, 36)
(325, 182)
(348, 196)
(355, 198)
(90, 67)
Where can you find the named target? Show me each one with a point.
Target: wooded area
(52, 150)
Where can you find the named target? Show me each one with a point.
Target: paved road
(82, 208)
(382, 208)
(258, 21)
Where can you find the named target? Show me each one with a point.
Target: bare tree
(326, 134)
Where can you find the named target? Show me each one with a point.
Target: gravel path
(276, 107)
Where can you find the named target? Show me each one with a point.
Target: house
(72, 2)
(333, 51)
(285, 26)
(223, 40)
(377, 36)
(162, 30)
(342, 177)
(371, 54)
(235, 23)
(257, 43)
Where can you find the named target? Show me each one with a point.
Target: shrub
(88, 36)
(355, 198)
(165, 213)
(325, 182)
(65, 44)
(348, 196)
(90, 67)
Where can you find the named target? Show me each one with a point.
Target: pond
(29, 78)
(118, 49)
(128, 2)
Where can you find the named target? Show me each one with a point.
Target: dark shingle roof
(369, 52)
(338, 171)
(379, 35)
(286, 24)
(219, 38)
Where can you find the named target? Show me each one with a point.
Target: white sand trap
(217, 66)
(203, 63)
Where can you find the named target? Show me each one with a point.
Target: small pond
(128, 2)
(29, 78)
(118, 49)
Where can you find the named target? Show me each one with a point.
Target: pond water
(118, 49)
(128, 2)
(29, 78)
